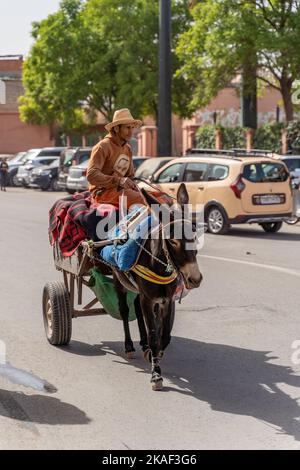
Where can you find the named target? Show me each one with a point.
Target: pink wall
(226, 105)
(16, 136)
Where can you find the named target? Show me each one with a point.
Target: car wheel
(216, 220)
(71, 191)
(271, 227)
(13, 181)
(293, 220)
(54, 185)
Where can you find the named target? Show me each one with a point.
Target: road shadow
(230, 379)
(40, 409)
(244, 233)
(83, 349)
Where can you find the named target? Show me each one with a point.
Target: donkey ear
(182, 195)
(149, 198)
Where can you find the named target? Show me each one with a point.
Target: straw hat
(123, 116)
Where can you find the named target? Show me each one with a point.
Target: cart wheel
(56, 313)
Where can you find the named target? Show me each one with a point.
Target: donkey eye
(174, 242)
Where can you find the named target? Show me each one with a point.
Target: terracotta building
(15, 135)
(224, 109)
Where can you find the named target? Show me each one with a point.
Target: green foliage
(55, 80)
(268, 137)
(293, 129)
(232, 137)
(228, 35)
(101, 55)
(205, 137)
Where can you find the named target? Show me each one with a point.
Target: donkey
(155, 306)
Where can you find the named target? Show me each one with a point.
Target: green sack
(104, 289)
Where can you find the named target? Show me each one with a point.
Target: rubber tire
(271, 227)
(13, 179)
(293, 220)
(225, 227)
(58, 296)
(52, 185)
(71, 191)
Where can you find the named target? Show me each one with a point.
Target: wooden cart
(59, 297)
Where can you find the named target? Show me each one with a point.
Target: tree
(98, 55)
(54, 84)
(226, 34)
(130, 31)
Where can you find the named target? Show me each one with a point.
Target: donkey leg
(168, 321)
(152, 316)
(124, 311)
(142, 328)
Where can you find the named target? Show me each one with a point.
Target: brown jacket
(109, 163)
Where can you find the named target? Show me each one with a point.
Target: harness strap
(150, 276)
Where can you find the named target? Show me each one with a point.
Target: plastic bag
(104, 289)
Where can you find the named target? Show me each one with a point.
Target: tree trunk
(249, 95)
(286, 91)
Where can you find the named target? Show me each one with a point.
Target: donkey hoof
(130, 354)
(161, 354)
(158, 385)
(147, 355)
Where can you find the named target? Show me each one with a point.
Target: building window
(2, 92)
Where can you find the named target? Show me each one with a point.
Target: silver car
(150, 166)
(24, 171)
(76, 180)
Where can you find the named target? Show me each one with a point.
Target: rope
(154, 187)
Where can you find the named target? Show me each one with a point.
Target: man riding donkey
(159, 277)
(110, 170)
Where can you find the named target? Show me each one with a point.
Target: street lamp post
(164, 141)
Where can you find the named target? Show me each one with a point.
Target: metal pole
(164, 140)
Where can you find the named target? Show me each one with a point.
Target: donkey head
(179, 235)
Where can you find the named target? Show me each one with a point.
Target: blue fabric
(123, 255)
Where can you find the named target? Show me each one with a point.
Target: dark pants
(3, 179)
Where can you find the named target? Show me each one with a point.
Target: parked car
(13, 165)
(232, 190)
(45, 177)
(150, 166)
(76, 178)
(30, 155)
(24, 171)
(291, 161)
(138, 161)
(70, 158)
(18, 157)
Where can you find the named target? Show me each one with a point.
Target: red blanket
(73, 219)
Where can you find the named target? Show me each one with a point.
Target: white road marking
(292, 272)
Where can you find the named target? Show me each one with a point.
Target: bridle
(170, 267)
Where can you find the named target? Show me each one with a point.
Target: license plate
(269, 199)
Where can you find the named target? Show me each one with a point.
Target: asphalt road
(231, 373)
